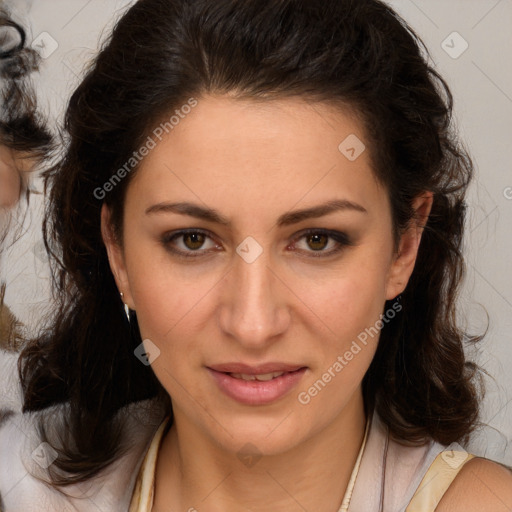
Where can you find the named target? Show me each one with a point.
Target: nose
(253, 309)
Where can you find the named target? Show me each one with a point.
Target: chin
(266, 436)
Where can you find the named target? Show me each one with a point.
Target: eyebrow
(287, 219)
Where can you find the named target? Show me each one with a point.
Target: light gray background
(481, 82)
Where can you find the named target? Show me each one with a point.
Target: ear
(405, 259)
(115, 256)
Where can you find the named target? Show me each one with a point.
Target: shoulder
(24, 461)
(17, 486)
(482, 485)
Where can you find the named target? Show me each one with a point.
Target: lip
(255, 370)
(256, 392)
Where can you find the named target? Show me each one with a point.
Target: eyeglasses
(12, 37)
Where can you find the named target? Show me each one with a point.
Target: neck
(193, 473)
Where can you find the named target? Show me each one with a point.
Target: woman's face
(259, 313)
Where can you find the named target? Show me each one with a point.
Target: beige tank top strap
(437, 479)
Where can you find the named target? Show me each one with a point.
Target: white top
(142, 499)
(385, 478)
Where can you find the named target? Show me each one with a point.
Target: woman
(24, 142)
(23, 138)
(258, 223)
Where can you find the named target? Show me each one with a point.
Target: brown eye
(193, 240)
(321, 242)
(317, 242)
(191, 243)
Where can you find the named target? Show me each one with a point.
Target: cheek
(349, 311)
(346, 305)
(162, 305)
(169, 299)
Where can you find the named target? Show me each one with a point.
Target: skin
(10, 178)
(480, 485)
(253, 162)
(14, 169)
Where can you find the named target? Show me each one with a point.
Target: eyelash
(342, 239)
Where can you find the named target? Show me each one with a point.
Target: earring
(126, 308)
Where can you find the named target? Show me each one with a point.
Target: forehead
(278, 151)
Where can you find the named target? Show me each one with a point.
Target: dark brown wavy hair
(355, 53)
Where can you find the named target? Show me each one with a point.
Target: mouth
(256, 385)
(262, 377)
